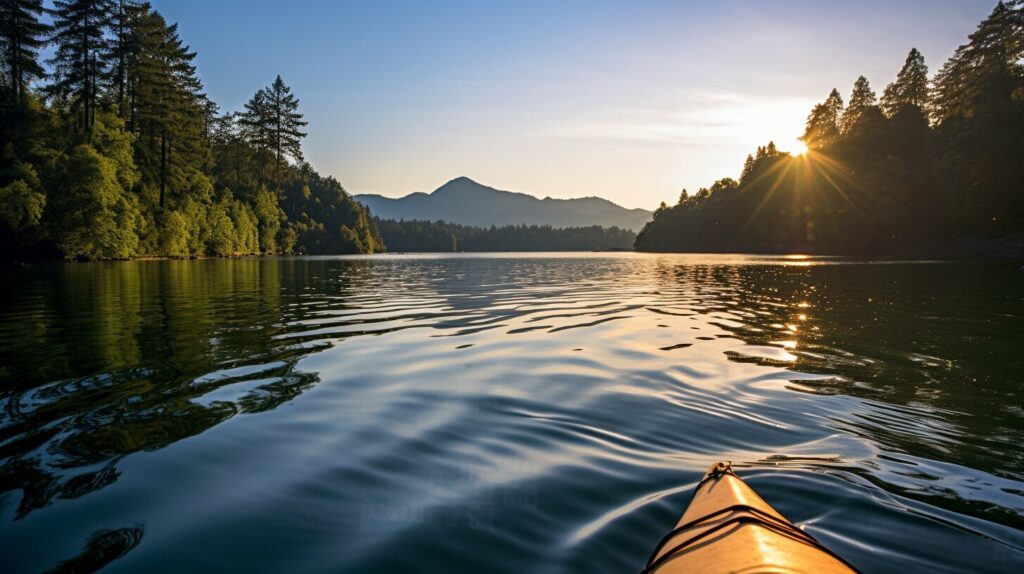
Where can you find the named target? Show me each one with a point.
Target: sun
(799, 148)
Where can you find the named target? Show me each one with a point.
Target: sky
(630, 100)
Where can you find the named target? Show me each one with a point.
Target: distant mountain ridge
(465, 201)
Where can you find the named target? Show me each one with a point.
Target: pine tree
(122, 48)
(748, 166)
(910, 87)
(862, 99)
(255, 127)
(823, 122)
(285, 124)
(988, 63)
(21, 35)
(79, 32)
(167, 102)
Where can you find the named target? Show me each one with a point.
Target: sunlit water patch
(507, 413)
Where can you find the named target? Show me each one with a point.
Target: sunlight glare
(799, 148)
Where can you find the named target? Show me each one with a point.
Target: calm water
(504, 413)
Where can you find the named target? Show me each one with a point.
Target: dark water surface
(540, 413)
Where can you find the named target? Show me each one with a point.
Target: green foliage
(246, 228)
(289, 237)
(269, 216)
(21, 207)
(272, 125)
(93, 217)
(125, 159)
(174, 235)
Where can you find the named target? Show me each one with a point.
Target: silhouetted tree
(884, 183)
(862, 99)
(910, 87)
(823, 122)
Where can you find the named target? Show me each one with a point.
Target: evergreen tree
(862, 99)
(748, 165)
(92, 192)
(285, 124)
(21, 36)
(79, 32)
(988, 63)
(255, 123)
(910, 87)
(823, 122)
(167, 102)
(122, 50)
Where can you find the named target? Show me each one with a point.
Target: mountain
(465, 201)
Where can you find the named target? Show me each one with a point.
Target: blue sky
(628, 100)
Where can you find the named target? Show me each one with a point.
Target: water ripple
(503, 413)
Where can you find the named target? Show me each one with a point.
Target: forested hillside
(932, 166)
(440, 236)
(112, 149)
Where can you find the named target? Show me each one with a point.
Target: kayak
(729, 528)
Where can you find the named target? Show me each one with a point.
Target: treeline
(112, 149)
(439, 236)
(931, 165)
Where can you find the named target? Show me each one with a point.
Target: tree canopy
(115, 151)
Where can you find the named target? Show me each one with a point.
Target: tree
(269, 216)
(79, 34)
(122, 50)
(167, 103)
(910, 87)
(748, 166)
(255, 124)
(94, 217)
(128, 157)
(285, 124)
(862, 99)
(978, 107)
(21, 35)
(988, 63)
(21, 206)
(823, 122)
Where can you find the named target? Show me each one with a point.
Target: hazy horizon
(630, 103)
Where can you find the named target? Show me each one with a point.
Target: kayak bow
(729, 528)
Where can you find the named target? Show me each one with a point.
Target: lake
(503, 413)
